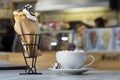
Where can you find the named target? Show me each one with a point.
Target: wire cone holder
(30, 50)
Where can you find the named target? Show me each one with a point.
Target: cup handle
(93, 60)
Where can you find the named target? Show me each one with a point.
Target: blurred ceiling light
(87, 9)
(64, 38)
(48, 5)
(53, 43)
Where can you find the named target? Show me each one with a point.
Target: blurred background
(67, 25)
(61, 15)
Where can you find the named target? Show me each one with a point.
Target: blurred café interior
(91, 25)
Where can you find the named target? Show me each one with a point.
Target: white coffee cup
(73, 59)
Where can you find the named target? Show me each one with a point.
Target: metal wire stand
(31, 67)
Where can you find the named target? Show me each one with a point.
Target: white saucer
(71, 71)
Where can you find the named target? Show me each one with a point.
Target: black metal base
(31, 68)
(30, 73)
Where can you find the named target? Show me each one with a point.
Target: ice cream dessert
(106, 37)
(26, 23)
(93, 36)
(118, 36)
